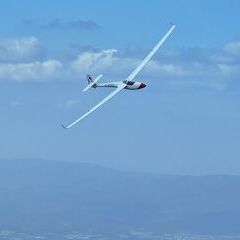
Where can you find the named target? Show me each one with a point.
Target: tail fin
(89, 79)
(91, 82)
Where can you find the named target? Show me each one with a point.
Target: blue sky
(185, 122)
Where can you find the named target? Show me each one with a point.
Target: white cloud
(168, 69)
(21, 61)
(34, 71)
(233, 48)
(192, 67)
(229, 70)
(21, 50)
(94, 61)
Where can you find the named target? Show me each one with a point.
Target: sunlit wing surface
(149, 56)
(112, 94)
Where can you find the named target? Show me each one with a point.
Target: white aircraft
(129, 83)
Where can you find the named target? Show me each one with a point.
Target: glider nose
(142, 85)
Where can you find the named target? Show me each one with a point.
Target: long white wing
(112, 94)
(149, 56)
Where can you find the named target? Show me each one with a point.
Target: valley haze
(53, 198)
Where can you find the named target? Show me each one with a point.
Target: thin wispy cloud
(233, 48)
(16, 104)
(72, 103)
(74, 25)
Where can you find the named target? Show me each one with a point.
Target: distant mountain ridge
(40, 195)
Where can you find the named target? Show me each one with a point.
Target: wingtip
(172, 24)
(64, 127)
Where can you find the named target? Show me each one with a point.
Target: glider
(129, 83)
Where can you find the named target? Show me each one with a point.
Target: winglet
(64, 126)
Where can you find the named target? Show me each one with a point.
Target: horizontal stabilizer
(92, 83)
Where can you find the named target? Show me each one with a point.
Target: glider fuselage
(130, 85)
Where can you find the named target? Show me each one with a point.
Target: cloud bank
(22, 60)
